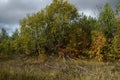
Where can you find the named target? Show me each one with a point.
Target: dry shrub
(116, 41)
(98, 42)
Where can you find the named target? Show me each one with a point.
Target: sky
(12, 11)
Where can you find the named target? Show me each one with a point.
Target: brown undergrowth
(44, 68)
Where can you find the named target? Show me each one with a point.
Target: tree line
(59, 28)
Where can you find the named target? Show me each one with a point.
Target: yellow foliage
(116, 42)
(98, 41)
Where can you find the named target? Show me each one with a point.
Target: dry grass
(54, 69)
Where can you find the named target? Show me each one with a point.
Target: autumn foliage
(59, 30)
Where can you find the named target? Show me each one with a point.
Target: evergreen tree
(116, 41)
(107, 21)
(108, 25)
(4, 42)
(3, 34)
(118, 8)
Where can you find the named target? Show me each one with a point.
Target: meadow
(32, 68)
(38, 48)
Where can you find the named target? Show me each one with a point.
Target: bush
(98, 42)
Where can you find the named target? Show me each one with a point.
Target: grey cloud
(11, 11)
(91, 4)
(92, 7)
(10, 28)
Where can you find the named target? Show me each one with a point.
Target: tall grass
(54, 69)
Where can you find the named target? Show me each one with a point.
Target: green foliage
(76, 40)
(49, 27)
(16, 43)
(60, 27)
(27, 39)
(108, 25)
(4, 42)
(3, 35)
(116, 41)
(87, 24)
(60, 16)
(118, 8)
(107, 21)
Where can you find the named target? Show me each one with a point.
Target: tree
(87, 24)
(107, 21)
(3, 34)
(33, 32)
(98, 42)
(118, 8)
(15, 42)
(108, 25)
(116, 41)
(4, 42)
(27, 37)
(49, 27)
(15, 34)
(60, 15)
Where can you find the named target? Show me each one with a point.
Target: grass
(43, 68)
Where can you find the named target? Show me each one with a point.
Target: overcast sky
(11, 11)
